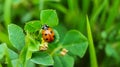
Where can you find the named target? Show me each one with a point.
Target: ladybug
(47, 33)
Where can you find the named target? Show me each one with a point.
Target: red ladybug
(47, 33)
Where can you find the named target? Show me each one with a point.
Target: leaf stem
(56, 49)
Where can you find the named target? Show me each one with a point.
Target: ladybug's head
(45, 27)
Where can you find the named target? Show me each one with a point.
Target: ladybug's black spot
(46, 39)
(51, 32)
(53, 35)
(45, 34)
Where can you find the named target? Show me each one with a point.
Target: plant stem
(55, 50)
(0, 65)
(7, 12)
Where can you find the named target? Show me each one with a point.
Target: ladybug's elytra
(47, 33)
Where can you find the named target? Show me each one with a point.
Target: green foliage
(97, 12)
(6, 53)
(16, 36)
(111, 52)
(49, 17)
(42, 58)
(24, 56)
(62, 61)
(2, 51)
(32, 26)
(76, 43)
(13, 55)
(22, 39)
(29, 45)
(112, 14)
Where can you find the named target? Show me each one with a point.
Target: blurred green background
(104, 16)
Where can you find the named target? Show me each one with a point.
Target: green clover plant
(28, 42)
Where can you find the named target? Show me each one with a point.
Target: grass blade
(85, 6)
(59, 7)
(112, 14)
(103, 15)
(97, 12)
(93, 59)
(73, 5)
